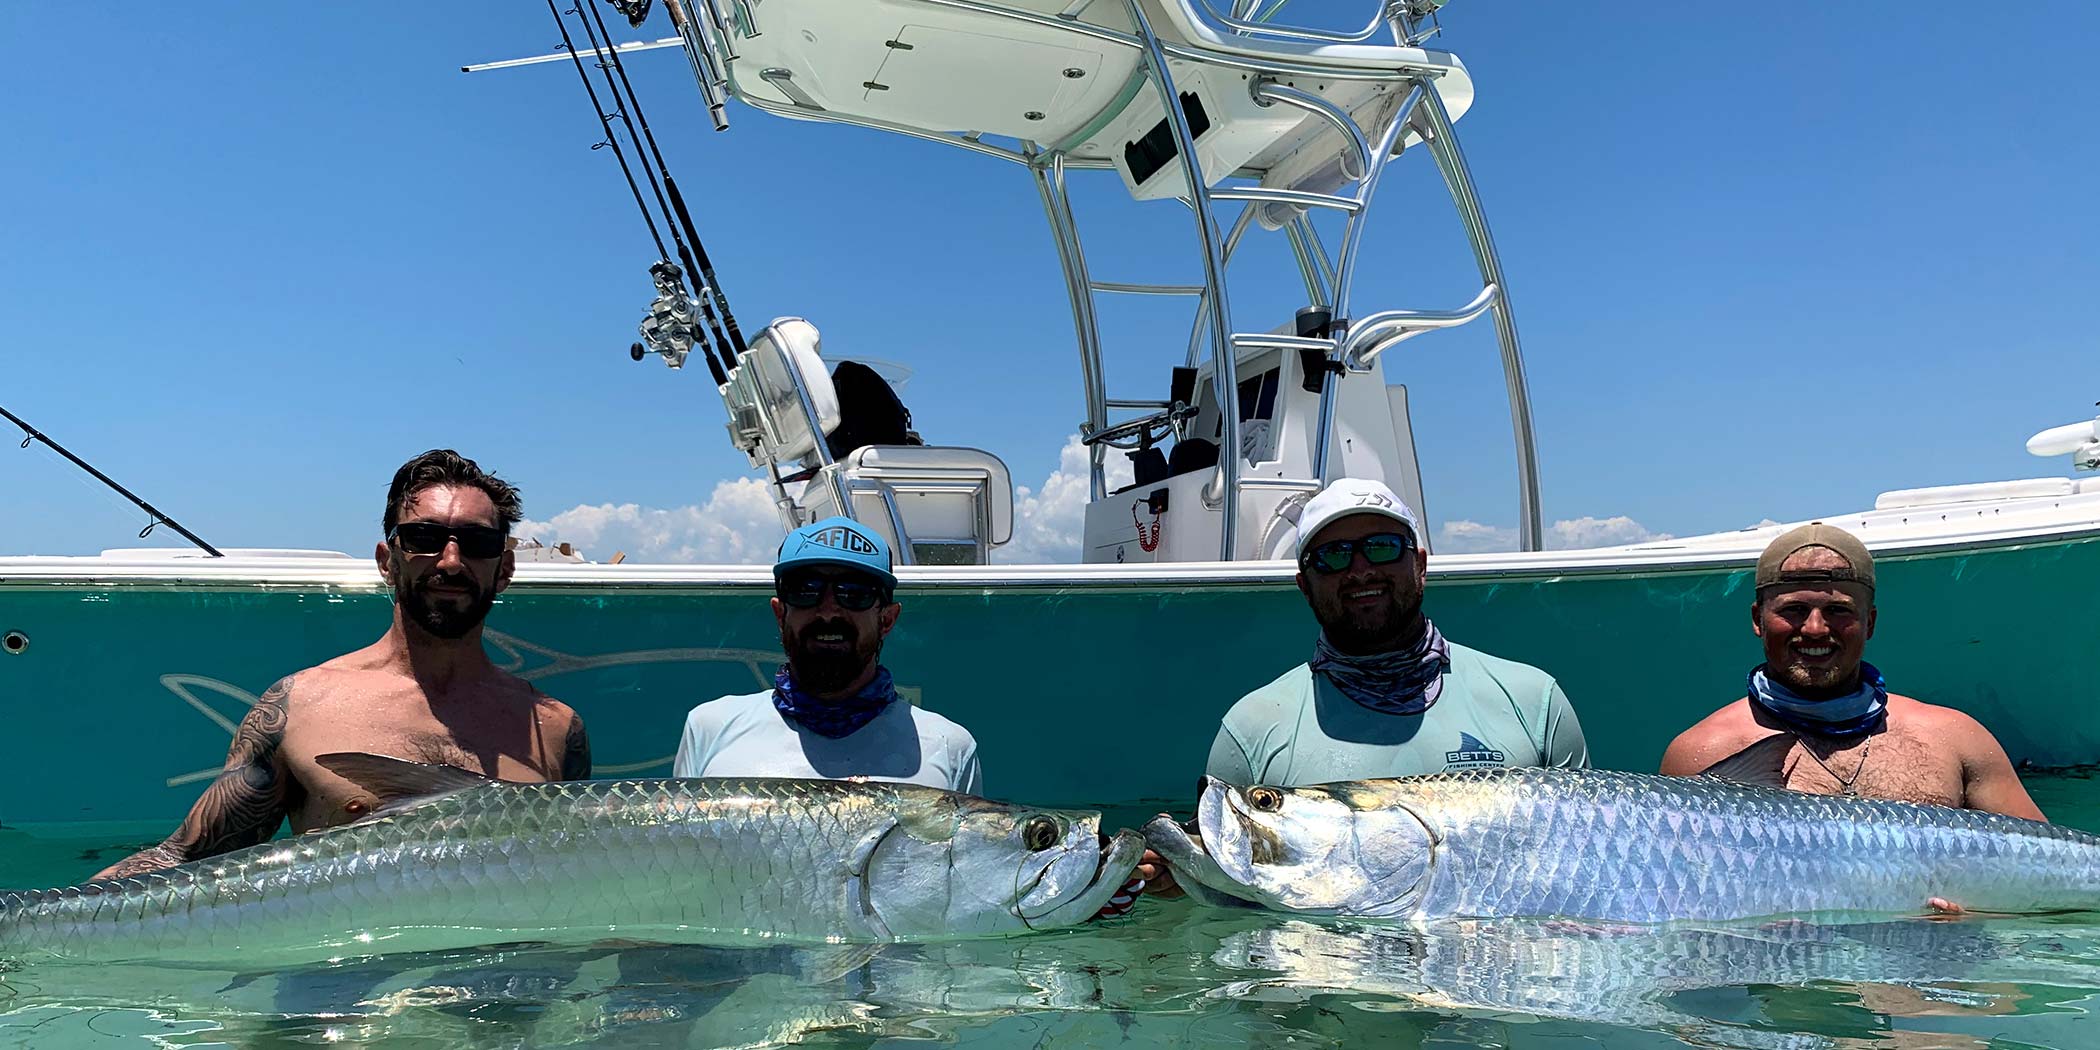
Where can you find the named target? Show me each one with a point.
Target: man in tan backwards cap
(1816, 717)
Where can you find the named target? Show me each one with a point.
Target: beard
(448, 618)
(1382, 628)
(1829, 681)
(828, 668)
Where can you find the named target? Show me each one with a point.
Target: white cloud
(1472, 537)
(1586, 532)
(1049, 519)
(737, 525)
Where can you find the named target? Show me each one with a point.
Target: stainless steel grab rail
(1375, 334)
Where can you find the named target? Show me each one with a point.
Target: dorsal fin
(399, 784)
(1762, 764)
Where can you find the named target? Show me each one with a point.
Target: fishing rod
(158, 517)
(705, 278)
(701, 272)
(714, 366)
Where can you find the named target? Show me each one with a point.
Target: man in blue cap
(832, 712)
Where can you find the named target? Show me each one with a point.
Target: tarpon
(460, 861)
(1623, 847)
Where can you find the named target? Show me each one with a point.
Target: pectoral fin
(1762, 764)
(399, 784)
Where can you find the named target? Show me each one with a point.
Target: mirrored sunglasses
(807, 592)
(1382, 548)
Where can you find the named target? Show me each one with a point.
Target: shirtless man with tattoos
(425, 691)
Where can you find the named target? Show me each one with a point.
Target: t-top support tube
(1057, 206)
(1200, 325)
(1375, 158)
(1225, 360)
(1308, 267)
(1458, 179)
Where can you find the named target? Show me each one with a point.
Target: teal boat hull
(1078, 691)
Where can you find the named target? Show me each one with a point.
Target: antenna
(2081, 441)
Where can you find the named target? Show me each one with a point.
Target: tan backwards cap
(1859, 565)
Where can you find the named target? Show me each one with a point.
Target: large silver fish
(1623, 847)
(705, 861)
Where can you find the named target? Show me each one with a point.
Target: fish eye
(1040, 833)
(1265, 799)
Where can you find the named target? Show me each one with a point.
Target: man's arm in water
(243, 806)
(576, 751)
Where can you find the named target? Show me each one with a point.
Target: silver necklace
(1849, 786)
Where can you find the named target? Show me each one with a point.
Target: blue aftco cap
(836, 541)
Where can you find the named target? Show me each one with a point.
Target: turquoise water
(1171, 973)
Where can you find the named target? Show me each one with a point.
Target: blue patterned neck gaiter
(1860, 711)
(1402, 683)
(833, 718)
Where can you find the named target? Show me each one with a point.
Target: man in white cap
(1384, 694)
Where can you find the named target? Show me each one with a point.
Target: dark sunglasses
(1382, 548)
(430, 537)
(807, 592)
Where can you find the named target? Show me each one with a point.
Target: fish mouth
(1195, 871)
(1195, 865)
(1112, 869)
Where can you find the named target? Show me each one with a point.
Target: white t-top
(745, 736)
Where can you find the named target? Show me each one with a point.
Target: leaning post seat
(936, 505)
(782, 403)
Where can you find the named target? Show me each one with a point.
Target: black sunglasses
(807, 592)
(1382, 548)
(430, 537)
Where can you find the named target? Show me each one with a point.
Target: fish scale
(721, 860)
(1538, 842)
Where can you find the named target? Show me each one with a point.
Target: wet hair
(442, 466)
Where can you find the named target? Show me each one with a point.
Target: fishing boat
(1184, 598)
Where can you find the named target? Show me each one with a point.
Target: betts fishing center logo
(1471, 752)
(839, 537)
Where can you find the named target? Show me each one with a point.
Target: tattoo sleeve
(576, 752)
(243, 806)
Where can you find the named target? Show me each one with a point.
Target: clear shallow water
(1169, 974)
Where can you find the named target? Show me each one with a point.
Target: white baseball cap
(1345, 496)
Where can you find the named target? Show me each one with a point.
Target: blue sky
(1765, 267)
